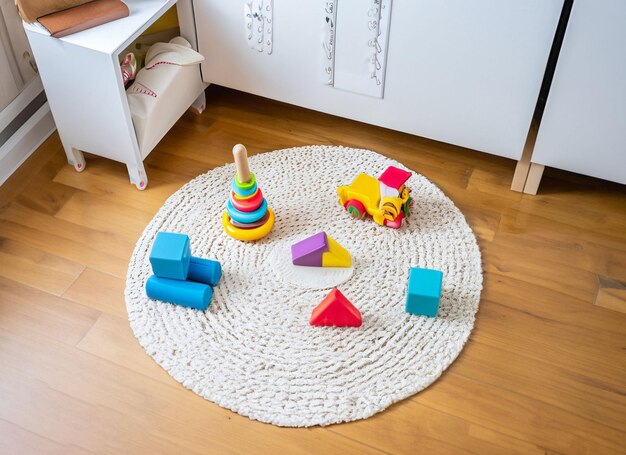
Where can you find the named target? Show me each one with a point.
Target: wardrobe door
(583, 128)
(458, 71)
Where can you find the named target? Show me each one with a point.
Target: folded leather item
(31, 10)
(78, 18)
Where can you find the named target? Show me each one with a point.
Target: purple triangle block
(309, 251)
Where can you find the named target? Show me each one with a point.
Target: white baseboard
(25, 141)
(26, 96)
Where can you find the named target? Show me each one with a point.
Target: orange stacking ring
(248, 204)
(240, 197)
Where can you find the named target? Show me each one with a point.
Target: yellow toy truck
(386, 199)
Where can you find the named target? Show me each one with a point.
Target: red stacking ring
(247, 205)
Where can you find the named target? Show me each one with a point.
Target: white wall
(8, 85)
(16, 63)
(19, 86)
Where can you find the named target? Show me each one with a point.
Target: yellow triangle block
(336, 256)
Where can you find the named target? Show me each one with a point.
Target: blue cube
(424, 292)
(170, 255)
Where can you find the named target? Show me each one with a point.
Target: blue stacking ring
(243, 193)
(246, 217)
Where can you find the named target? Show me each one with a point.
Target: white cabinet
(583, 128)
(83, 83)
(462, 72)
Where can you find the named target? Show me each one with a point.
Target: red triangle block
(336, 310)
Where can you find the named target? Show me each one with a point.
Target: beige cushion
(163, 90)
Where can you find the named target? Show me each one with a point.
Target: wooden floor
(543, 372)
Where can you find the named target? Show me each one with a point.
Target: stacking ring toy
(248, 204)
(241, 192)
(246, 217)
(245, 185)
(248, 234)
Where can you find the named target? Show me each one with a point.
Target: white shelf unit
(83, 82)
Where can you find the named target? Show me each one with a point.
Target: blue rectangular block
(204, 271)
(170, 255)
(424, 292)
(184, 293)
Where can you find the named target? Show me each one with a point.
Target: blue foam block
(184, 293)
(170, 255)
(424, 292)
(204, 271)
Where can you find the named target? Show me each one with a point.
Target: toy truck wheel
(355, 208)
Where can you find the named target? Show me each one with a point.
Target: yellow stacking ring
(248, 234)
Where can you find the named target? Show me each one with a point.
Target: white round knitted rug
(253, 351)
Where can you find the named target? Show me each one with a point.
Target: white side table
(83, 82)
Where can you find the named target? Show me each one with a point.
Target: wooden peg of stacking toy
(241, 161)
(247, 215)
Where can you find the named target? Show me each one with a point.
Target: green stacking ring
(240, 192)
(246, 185)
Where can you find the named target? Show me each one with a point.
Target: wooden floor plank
(88, 241)
(112, 339)
(398, 431)
(565, 346)
(90, 393)
(587, 396)
(100, 291)
(37, 268)
(98, 214)
(16, 440)
(520, 417)
(45, 196)
(25, 310)
(48, 152)
(544, 370)
(119, 189)
(103, 257)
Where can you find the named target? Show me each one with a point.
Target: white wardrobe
(458, 71)
(583, 128)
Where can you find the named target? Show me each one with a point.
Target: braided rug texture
(253, 350)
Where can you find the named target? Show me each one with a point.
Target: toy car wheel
(355, 208)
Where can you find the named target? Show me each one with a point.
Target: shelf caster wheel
(198, 109)
(138, 177)
(76, 158)
(79, 166)
(199, 105)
